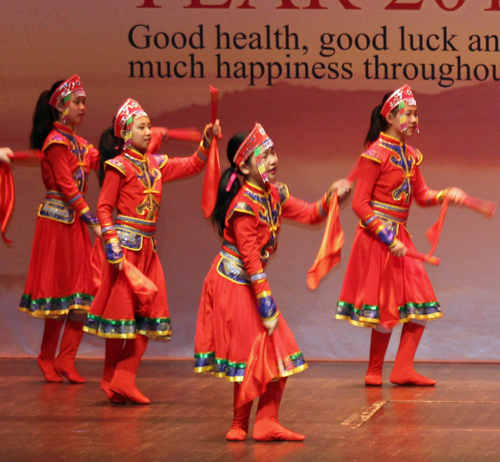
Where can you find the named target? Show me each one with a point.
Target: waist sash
(131, 231)
(54, 208)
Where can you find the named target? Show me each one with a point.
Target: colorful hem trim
(50, 307)
(154, 328)
(369, 315)
(235, 372)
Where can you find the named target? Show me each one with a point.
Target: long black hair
(377, 122)
(224, 197)
(109, 147)
(44, 117)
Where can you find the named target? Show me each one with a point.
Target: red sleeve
(58, 157)
(245, 231)
(156, 140)
(181, 167)
(107, 201)
(299, 210)
(94, 158)
(368, 173)
(424, 196)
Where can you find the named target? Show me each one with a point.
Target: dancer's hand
(398, 249)
(210, 131)
(164, 133)
(271, 325)
(342, 188)
(5, 155)
(456, 195)
(97, 231)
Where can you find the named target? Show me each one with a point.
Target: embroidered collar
(136, 155)
(257, 189)
(384, 137)
(64, 128)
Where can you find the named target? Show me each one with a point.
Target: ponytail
(44, 117)
(377, 122)
(109, 147)
(225, 197)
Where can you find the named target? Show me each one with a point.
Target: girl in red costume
(381, 287)
(133, 185)
(236, 303)
(59, 286)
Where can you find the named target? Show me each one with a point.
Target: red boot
(378, 347)
(47, 355)
(123, 382)
(267, 426)
(241, 417)
(114, 347)
(402, 371)
(65, 362)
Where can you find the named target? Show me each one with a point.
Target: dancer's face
(395, 124)
(141, 133)
(251, 171)
(76, 112)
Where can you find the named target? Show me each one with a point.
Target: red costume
(236, 298)
(133, 185)
(61, 241)
(380, 288)
(60, 276)
(236, 294)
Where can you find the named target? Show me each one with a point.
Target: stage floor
(458, 420)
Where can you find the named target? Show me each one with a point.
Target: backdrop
(310, 71)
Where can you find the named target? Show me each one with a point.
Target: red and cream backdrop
(310, 71)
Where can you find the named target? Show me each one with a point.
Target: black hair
(44, 117)
(224, 197)
(377, 122)
(109, 147)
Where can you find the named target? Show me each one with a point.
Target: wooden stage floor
(458, 420)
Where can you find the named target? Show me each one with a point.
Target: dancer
(59, 287)
(236, 302)
(382, 288)
(133, 185)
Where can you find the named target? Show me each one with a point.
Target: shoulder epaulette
(283, 192)
(162, 159)
(55, 139)
(371, 154)
(118, 164)
(241, 207)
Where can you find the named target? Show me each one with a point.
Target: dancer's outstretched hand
(456, 195)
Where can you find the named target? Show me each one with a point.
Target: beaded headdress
(125, 118)
(63, 93)
(398, 99)
(255, 143)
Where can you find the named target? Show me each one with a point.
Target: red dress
(236, 295)
(133, 185)
(378, 287)
(60, 275)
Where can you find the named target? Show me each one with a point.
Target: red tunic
(59, 275)
(133, 185)
(236, 295)
(378, 287)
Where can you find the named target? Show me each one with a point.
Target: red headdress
(63, 93)
(124, 119)
(256, 142)
(397, 99)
